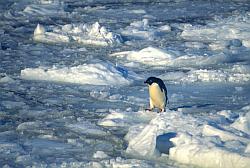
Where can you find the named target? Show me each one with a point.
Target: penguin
(157, 93)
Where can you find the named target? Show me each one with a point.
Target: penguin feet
(148, 109)
(161, 110)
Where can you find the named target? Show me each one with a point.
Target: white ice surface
(234, 74)
(111, 163)
(94, 34)
(87, 128)
(97, 73)
(100, 155)
(149, 56)
(207, 142)
(219, 32)
(159, 57)
(6, 79)
(142, 30)
(47, 124)
(169, 58)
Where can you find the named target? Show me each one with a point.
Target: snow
(197, 142)
(98, 73)
(94, 34)
(13, 104)
(243, 123)
(148, 56)
(235, 74)
(72, 91)
(221, 31)
(169, 58)
(87, 128)
(100, 155)
(159, 57)
(143, 30)
(6, 79)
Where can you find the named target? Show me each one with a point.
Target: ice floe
(169, 58)
(143, 30)
(96, 73)
(235, 74)
(149, 56)
(219, 140)
(87, 128)
(94, 34)
(48, 124)
(220, 32)
(6, 79)
(109, 163)
(100, 155)
(158, 57)
(152, 56)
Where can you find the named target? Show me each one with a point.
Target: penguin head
(151, 80)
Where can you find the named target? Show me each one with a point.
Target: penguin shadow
(191, 106)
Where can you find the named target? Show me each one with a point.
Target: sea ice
(80, 33)
(235, 74)
(169, 58)
(43, 8)
(148, 56)
(221, 33)
(97, 73)
(196, 142)
(118, 119)
(87, 128)
(100, 155)
(142, 30)
(243, 123)
(53, 124)
(13, 104)
(6, 79)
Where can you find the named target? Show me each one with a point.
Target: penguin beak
(145, 81)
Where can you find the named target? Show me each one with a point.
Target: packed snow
(72, 90)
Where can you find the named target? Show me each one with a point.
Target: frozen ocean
(72, 90)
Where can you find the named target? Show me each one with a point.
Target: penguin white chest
(157, 97)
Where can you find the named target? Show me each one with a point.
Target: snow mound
(142, 30)
(80, 33)
(220, 140)
(97, 73)
(148, 56)
(221, 31)
(159, 57)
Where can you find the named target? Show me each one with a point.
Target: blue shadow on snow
(163, 143)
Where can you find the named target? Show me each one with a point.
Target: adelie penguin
(157, 93)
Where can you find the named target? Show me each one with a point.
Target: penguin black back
(161, 84)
